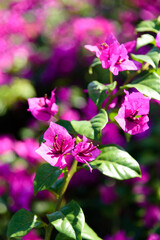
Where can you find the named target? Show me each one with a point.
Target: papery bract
(58, 143)
(132, 115)
(158, 40)
(113, 55)
(85, 152)
(43, 108)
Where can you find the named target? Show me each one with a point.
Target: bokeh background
(42, 48)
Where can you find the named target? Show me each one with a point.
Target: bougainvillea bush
(79, 106)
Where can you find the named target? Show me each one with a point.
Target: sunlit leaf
(91, 129)
(149, 85)
(69, 220)
(22, 222)
(115, 162)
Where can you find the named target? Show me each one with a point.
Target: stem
(73, 169)
(111, 77)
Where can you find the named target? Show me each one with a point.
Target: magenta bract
(158, 40)
(113, 55)
(85, 152)
(43, 108)
(58, 143)
(132, 116)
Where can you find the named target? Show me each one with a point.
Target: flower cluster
(113, 55)
(59, 143)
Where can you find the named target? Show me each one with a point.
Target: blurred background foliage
(42, 48)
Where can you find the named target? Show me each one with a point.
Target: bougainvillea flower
(85, 152)
(132, 116)
(113, 55)
(58, 143)
(158, 40)
(119, 60)
(42, 108)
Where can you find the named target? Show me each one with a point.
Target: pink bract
(158, 40)
(132, 115)
(113, 55)
(42, 108)
(58, 143)
(85, 152)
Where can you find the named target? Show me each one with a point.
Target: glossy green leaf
(149, 85)
(69, 220)
(22, 222)
(61, 236)
(97, 91)
(89, 234)
(144, 40)
(92, 129)
(148, 26)
(152, 57)
(56, 186)
(115, 162)
(46, 175)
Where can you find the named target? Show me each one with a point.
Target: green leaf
(144, 40)
(97, 91)
(22, 222)
(149, 26)
(115, 162)
(46, 175)
(57, 185)
(61, 236)
(69, 220)
(96, 62)
(91, 129)
(149, 85)
(67, 125)
(89, 234)
(152, 57)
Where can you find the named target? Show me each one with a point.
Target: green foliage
(69, 220)
(95, 62)
(97, 91)
(144, 40)
(57, 185)
(115, 162)
(46, 175)
(152, 57)
(149, 26)
(62, 236)
(89, 234)
(91, 129)
(19, 89)
(149, 85)
(22, 222)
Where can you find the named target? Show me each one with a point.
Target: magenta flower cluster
(113, 55)
(59, 143)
